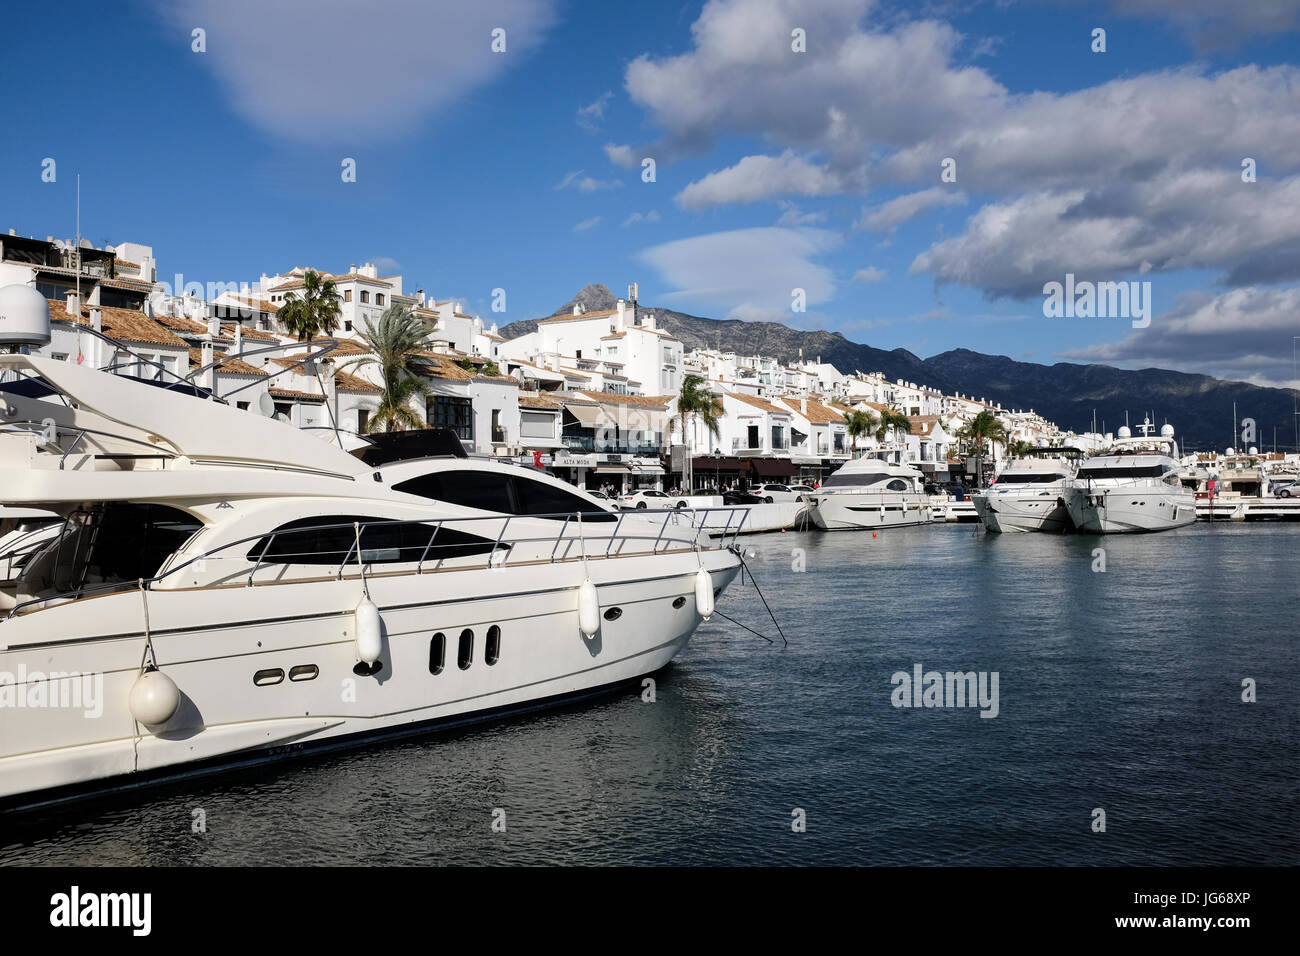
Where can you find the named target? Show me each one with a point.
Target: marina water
(1119, 690)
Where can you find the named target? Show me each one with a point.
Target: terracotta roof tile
(126, 325)
(757, 402)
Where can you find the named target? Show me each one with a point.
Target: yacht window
(1028, 478)
(437, 653)
(330, 539)
(502, 493)
(898, 484)
(120, 541)
(1129, 471)
(841, 481)
(492, 652)
(465, 656)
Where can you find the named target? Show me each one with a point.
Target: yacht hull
(270, 671)
(1129, 510)
(849, 511)
(1013, 514)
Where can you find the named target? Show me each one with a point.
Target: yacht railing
(695, 519)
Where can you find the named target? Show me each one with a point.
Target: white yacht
(1135, 486)
(1028, 495)
(867, 493)
(221, 586)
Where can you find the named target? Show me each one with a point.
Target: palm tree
(983, 427)
(1019, 448)
(315, 312)
(394, 346)
(890, 419)
(858, 424)
(695, 401)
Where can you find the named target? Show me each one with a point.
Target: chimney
(803, 406)
(74, 303)
(208, 312)
(577, 309)
(210, 376)
(649, 321)
(620, 319)
(239, 337)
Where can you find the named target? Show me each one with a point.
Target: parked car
(1284, 489)
(740, 498)
(803, 490)
(771, 493)
(600, 495)
(649, 498)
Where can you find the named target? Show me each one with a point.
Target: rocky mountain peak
(592, 298)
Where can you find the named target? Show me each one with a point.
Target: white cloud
(338, 73)
(651, 216)
(792, 215)
(761, 177)
(748, 273)
(586, 184)
(623, 156)
(870, 275)
(1242, 334)
(586, 224)
(1215, 23)
(387, 265)
(1187, 220)
(589, 116)
(890, 215)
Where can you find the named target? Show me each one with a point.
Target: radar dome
(24, 316)
(1230, 452)
(1124, 432)
(1167, 431)
(1253, 450)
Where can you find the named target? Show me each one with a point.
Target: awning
(773, 467)
(717, 463)
(613, 470)
(649, 470)
(588, 415)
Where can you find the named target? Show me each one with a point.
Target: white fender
(704, 593)
(588, 609)
(154, 698)
(369, 631)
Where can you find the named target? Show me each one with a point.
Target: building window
(379, 298)
(363, 419)
(465, 655)
(452, 412)
(498, 433)
(492, 651)
(753, 437)
(347, 325)
(347, 295)
(365, 297)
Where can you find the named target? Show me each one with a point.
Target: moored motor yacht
(222, 586)
(1028, 495)
(867, 493)
(1135, 486)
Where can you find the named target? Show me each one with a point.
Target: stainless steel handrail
(697, 523)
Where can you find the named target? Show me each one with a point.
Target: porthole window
(492, 650)
(466, 655)
(679, 603)
(304, 672)
(437, 653)
(267, 677)
(613, 614)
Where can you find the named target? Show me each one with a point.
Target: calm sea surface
(1118, 690)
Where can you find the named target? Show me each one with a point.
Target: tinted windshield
(838, 480)
(1028, 478)
(1124, 471)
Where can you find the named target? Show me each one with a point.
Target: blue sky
(521, 170)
